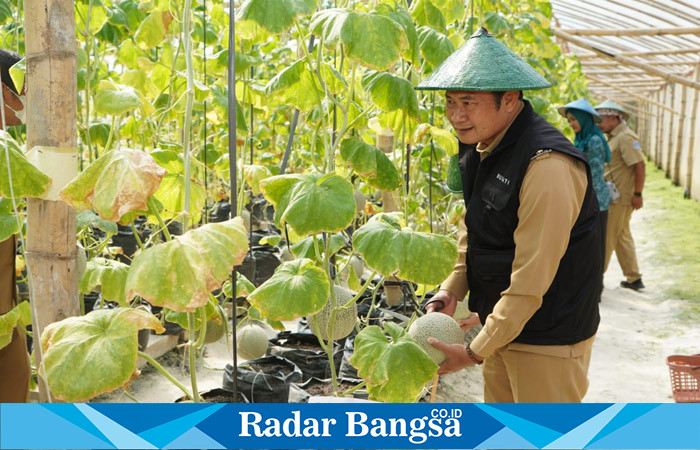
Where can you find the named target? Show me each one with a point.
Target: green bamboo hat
(610, 108)
(484, 64)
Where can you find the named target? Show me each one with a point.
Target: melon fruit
(344, 318)
(251, 341)
(437, 325)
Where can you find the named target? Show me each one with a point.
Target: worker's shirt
(625, 152)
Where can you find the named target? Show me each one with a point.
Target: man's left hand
(637, 202)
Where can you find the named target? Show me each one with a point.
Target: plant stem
(187, 40)
(166, 374)
(136, 235)
(193, 357)
(353, 389)
(154, 208)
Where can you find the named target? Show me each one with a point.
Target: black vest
(569, 311)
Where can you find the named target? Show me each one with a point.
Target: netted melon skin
(252, 342)
(344, 318)
(437, 325)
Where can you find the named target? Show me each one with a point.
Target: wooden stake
(677, 51)
(51, 61)
(669, 151)
(433, 390)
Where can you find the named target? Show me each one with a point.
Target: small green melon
(437, 325)
(251, 341)
(344, 318)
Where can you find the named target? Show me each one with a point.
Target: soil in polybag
(304, 350)
(264, 380)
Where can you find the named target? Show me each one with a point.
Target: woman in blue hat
(591, 141)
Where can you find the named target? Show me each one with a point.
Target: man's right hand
(444, 302)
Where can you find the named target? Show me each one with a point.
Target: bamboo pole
(633, 94)
(620, 72)
(669, 150)
(653, 63)
(628, 61)
(390, 202)
(659, 125)
(636, 80)
(679, 139)
(630, 31)
(676, 51)
(691, 144)
(51, 61)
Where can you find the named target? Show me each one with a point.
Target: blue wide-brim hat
(484, 64)
(608, 105)
(582, 105)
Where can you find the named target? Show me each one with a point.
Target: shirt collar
(486, 149)
(617, 129)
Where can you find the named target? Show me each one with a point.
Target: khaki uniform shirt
(551, 197)
(625, 152)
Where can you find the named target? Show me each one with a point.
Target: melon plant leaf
(310, 203)
(444, 138)
(19, 316)
(425, 13)
(182, 319)
(98, 17)
(297, 288)
(391, 92)
(434, 46)
(180, 274)
(276, 16)
(402, 17)
(17, 73)
(110, 275)
(452, 10)
(88, 355)
(391, 249)
(496, 23)
(171, 193)
(115, 184)
(27, 180)
(8, 221)
(296, 86)
(254, 174)
(305, 248)
(153, 29)
(395, 370)
(115, 99)
(243, 286)
(371, 163)
(371, 39)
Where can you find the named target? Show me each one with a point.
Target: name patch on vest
(502, 179)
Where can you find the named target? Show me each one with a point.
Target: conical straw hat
(484, 64)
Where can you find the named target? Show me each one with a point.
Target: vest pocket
(495, 195)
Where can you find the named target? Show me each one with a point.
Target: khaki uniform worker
(14, 360)
(530, 244)
(627, 172)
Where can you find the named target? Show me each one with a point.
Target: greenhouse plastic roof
(606, 26)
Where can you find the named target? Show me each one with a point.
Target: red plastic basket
(685, 377)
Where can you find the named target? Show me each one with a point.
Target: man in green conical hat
(532, 265)
(627, 172)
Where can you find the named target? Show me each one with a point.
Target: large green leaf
(402, 17)
(297, 288)
(276, 16)
(110, 275)
(434, 46)
(171, 193)
(115, 99)
(153, 29)
(370, 162)
(395, 370)
(296, 86)
(425, 13)
(19, 316)
(87, 217)
(27, 180)
(8, 221)
(391, 92)
(392, 249)
(310, 203)
(88, 355)
(306, 248)
(181, 273)
(371, 39)
(117, 183)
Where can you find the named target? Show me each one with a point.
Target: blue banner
(349, 426)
